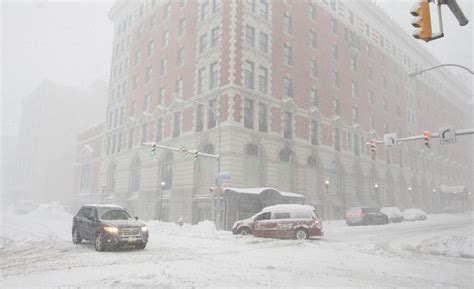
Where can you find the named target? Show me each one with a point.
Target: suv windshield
(115, 214)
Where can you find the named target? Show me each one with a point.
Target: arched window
(252, 166)
(135, 174)
(251, 149)
(285, 155)
(311, 178)
(286, 171)
(167, 170)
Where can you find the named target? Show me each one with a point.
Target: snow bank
(50, 211)
(454, 246)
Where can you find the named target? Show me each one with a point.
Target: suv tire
(141, 246)
(99, 243)
(301, 234)
(76, 237)
(244, 231)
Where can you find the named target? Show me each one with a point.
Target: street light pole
(217, 179)
(376, 187)
(416, 73)
(326, 184)
(410, 194)
(163, 184)
(103, 192)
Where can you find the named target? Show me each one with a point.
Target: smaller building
(86, 187)
(242, 203)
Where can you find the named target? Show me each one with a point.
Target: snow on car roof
(287, 207)
(103, 205)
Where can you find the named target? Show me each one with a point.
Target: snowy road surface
(36, 251)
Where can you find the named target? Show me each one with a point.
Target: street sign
(184, 151)
(224, 176)
(390, 140)
(447, 135)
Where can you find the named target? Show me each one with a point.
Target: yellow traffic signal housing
(421, 10)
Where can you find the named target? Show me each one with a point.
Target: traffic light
(196, 153)
(422, 21)
(426, 138)
(373, 146)
(153, 150)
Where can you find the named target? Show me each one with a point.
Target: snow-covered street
(36, 251)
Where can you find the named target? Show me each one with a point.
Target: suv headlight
(144, 229)
(112, 230)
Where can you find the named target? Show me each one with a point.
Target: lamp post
(409, 193)
(376, 187)
(103, 192)
(327, 182)
(217, 179)
(416, 73)
(163, 184)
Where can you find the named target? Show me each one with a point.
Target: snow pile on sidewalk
(455, 246)
(50, 211)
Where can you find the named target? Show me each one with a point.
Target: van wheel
(99, 243)
(301, 234)
(76, 237)
(244, 231)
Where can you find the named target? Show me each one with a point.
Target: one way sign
(447, 135)
(390, 140)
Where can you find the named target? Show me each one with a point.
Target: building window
(132, 109)
(288, 125)
(202, 43)
(165, 38)
(312, 39)
(201, 79)
(163, 64)
(335, 52)
(313, 68)
(216, 6)
(153, 22)
(262, 79)
(335, 79)
(176, 124)
(264, 8)
(370, 72)
(249, 74)
(215, 37)
(121, 115)
(213, 75)
(312, 11)
(211, 119)
(179, 87)
(182, 26)
(262, 117)
(313, 98)
(349, 140)
(287, 55)
(148, 74)
(372, 121)
(250, 5)
(371, 96)
(146, 100)
(355, 114)
(151, 47)
(159, 130)
(287, 87)
(384, 81)
(135, 81)
(248, 113)
(199, 118)
(85, 177)
(334, 25)
(336, 107)
(354, 88)
(314, 132)
(161, 95)
(144, 132)
(337, 139)
(180, 60)
(119, 142)
(250, 36)
(385, 103)
(353, 64)
(204, 7)
(137, 56)
(356, 145)
(130, 138)
(135, 172)
(263, 42)
(287, 24)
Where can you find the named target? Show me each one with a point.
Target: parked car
(108, 226)
(365, 216)
(394, 214)
(414, 214)
(282, 221)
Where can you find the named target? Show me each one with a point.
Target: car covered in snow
(414, 214)
(365, 216)
(282, 221)
(108, 226)
(393, 213)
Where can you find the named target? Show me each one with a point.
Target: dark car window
(90, 213)
(263, 216)
(281, 215)
(81, 212)
(116, 215)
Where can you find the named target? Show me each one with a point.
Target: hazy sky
(70, 42)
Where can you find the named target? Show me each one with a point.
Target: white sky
(70, 43)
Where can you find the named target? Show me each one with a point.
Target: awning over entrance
(260, 191)
(452, 189)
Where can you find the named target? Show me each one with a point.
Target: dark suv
(108, 226)
(365, 216)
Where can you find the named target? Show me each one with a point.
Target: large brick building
(299, 86)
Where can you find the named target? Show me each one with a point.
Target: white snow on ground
(36, 251)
